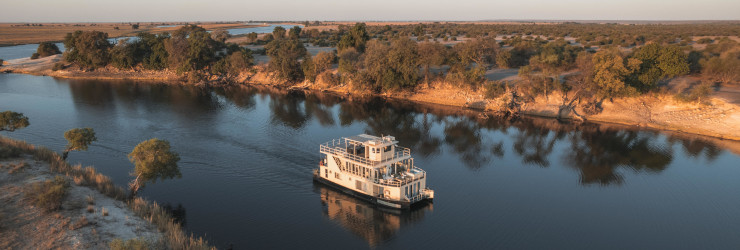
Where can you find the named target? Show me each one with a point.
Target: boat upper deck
(368, 150)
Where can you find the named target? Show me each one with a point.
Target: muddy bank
(86, 220)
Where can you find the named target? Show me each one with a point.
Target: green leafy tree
(191, 48)
(278, 33)
(46, 49)
(10, 121)
(610, 73)
(78, 139)
(151, 51)
(153, 160)
(87, 48)
(657, 62)
(395, 66)
(356, 38)
(285, 56)
(295, 32)
(252, 37)
(123, 55)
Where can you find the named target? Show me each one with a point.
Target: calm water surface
(248, 154)
(26, 50)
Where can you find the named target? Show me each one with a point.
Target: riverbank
(93, 213)
(717, 116)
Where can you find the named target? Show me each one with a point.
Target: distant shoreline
(720, 119)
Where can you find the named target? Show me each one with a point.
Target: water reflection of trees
(372, 224)
(596, 151)
(186, 101)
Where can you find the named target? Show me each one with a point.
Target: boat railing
(402, 180)
(337, 147)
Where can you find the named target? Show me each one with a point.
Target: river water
(26, 50)
(248, 154)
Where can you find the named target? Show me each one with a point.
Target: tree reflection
(598, 153)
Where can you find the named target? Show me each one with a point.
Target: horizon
(19, 11)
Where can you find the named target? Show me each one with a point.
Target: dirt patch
(25, 226)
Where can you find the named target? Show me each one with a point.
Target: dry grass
(175, 237)
(49, 194)
(14, 33)
(79, 224)
(14, 168)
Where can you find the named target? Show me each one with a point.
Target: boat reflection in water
(373, 223)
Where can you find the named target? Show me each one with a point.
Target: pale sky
(365, 10)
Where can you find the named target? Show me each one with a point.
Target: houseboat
(375, 169)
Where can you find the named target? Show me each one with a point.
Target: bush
(494, 89)
(35, 56)
(131, 244)
(7, 152)
(697, 93)
(49, 195)
(58, 66)
(46, 49)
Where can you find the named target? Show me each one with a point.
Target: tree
(151, 51)
(278, 33)
(10, 121)
(46, 49)
(220, 35)
(123, 55)
(295, 32)
(285, 56)
(471, 59)
(312, 67)
(395, 66)
(153, 160)
(252, 37)
(657, 62)
(78, 139)
(87, 48)
(135, 26)
(431, 54)
(356, 38)
(191, 48)
(610, 73)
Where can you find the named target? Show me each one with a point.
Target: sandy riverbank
(25, 226)
(43, 67)
(719, 116)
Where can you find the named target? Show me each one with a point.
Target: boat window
(387, 149)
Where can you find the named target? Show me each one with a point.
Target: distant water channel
(248, 154)
(26, 50)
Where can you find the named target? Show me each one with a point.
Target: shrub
(494, 89)
(697, 93)
(46, 49)
(49, 194)
(58, 66)
(35, 56)
(9, 152)
(131, 244)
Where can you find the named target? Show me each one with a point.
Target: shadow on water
(371, 223)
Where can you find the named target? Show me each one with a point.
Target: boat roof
(372, 140)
